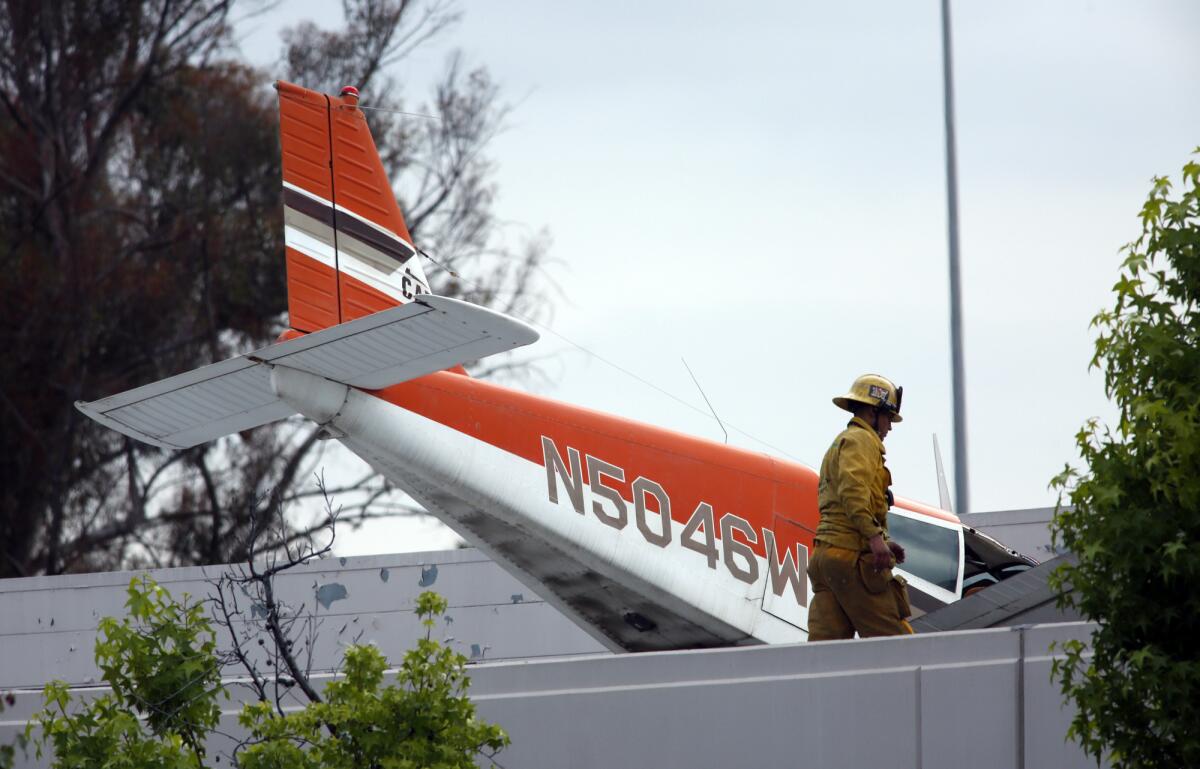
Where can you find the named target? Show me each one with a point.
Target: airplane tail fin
(355, 289)
(349, 252)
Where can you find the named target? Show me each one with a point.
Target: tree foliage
(425, 720)
(161, 664)
(164, 670)
(1134, 523)
(141, 236)
(8, 752)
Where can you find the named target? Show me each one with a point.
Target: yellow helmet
(873, 390)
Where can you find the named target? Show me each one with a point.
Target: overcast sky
(760, 189)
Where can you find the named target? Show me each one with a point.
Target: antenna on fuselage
(943, 489)
(706, 400)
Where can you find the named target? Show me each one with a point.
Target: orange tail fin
(349, 253)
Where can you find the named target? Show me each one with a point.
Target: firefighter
(851, 565)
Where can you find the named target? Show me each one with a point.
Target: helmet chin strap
(875, 419)
(875, 411)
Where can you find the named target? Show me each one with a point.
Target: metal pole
(961, 485)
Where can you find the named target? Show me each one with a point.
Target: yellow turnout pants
(850, 596)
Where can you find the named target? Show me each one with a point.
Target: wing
(431, 333)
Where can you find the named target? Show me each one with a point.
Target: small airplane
(648, 538)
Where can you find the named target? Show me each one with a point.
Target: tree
(1134, 523)
(162, 667)
(140, 236)
(164, 671)
(426, 722)
(8, 752)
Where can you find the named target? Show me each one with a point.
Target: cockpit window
(930, 551)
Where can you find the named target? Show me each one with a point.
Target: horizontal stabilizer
(430, 334)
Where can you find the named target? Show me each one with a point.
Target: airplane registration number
(734, 551)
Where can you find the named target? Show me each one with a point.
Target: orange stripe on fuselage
(932, 512)
(515, 421)
(691, 469)
(750, 485)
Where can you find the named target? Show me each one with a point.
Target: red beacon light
(350, 94)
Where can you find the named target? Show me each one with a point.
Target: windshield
(930, 551)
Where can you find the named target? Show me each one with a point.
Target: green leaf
(1135, 519)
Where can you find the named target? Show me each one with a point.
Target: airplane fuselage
(652, 538)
